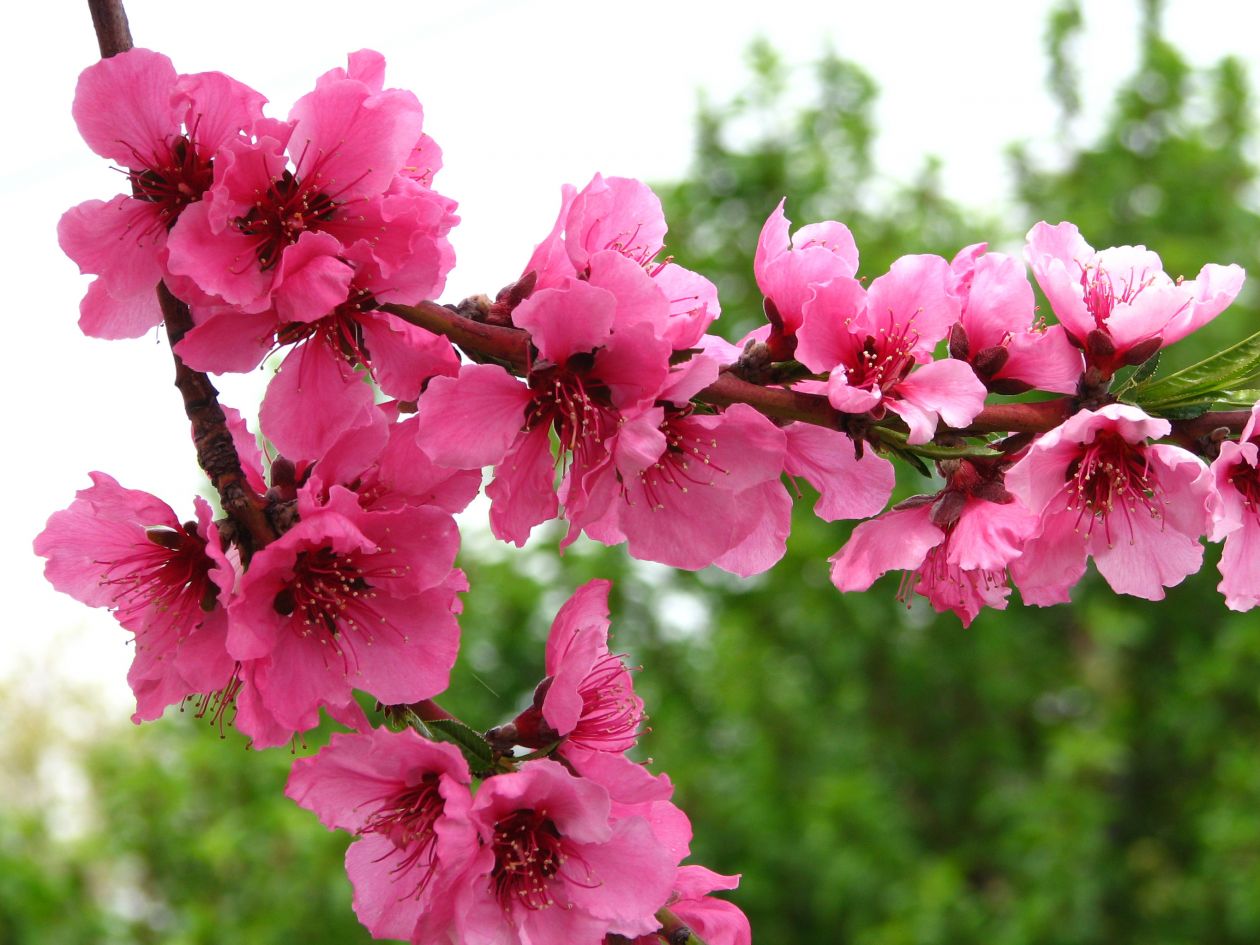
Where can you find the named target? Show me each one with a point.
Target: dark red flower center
(287, 209)
(575, 405)
(174, 176)
(169, 574)
(528, 854)
(883, 362)
(1113, 475)
(407, 819)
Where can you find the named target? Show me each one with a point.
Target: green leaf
(475, 748)
(1204, 382)
(1146, 368)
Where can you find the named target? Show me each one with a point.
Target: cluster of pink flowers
(620, 417)
(571, 848)
(1098, 485)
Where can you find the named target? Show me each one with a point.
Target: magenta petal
(485, 398)
(219, 107)
(896, 541)
(614, 213)
(123, 106)
(584, 614)
(314, 398)
(635, 878)
(228, 341)
(848, 487)
(404, 356)
(572, 319)
(400, 665)
(351, 142)
(1000, 301)
(311, 281)
(765, 543)
(523, 492)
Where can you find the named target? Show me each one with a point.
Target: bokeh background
(1084, 774)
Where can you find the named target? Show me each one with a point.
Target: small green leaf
(1182, 411)
(1202, 382)
(1146, 368)
(472, 743)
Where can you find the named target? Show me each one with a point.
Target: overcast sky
(522, 97)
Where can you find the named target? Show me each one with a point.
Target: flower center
(883, 362)
(407, 819)
(577, 408)
(1112, 474)
(169, 574)
(286, 210)
(610, 712)
(528, 853)
(686, 461)
(173, 177)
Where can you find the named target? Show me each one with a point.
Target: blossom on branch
(1101, 490)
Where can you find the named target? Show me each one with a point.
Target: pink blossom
(555, 865)
(1101, 490)
(337, 168)
(1237, 474)
(610, 234)
(1118, 304)
(348, 599)
(872, 342)
(407, 800)
(955, 545)
(586, 376)
(788, 271)
(164, 129)
(164, 580)
(996, 333)
(690, 489)
(586, 701)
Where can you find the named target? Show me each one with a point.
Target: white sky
(522, 96)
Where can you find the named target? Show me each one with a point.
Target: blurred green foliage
(880, 775)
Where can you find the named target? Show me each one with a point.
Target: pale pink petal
(848, 487)
(898, 540)
(1054, 557)
(827, 336)
(948, 389)
(914, 298)
(988, 535)
(1240, 566)
(1058, 256)
(1000, 301)
(1046, 360)
(1214, 289)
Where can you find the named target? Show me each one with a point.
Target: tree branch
(511, 346)
(216, 452)
(113, 33)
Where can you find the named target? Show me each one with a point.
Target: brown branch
(511, 346)
(476, 338)
(113, 33)
(216, 453)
